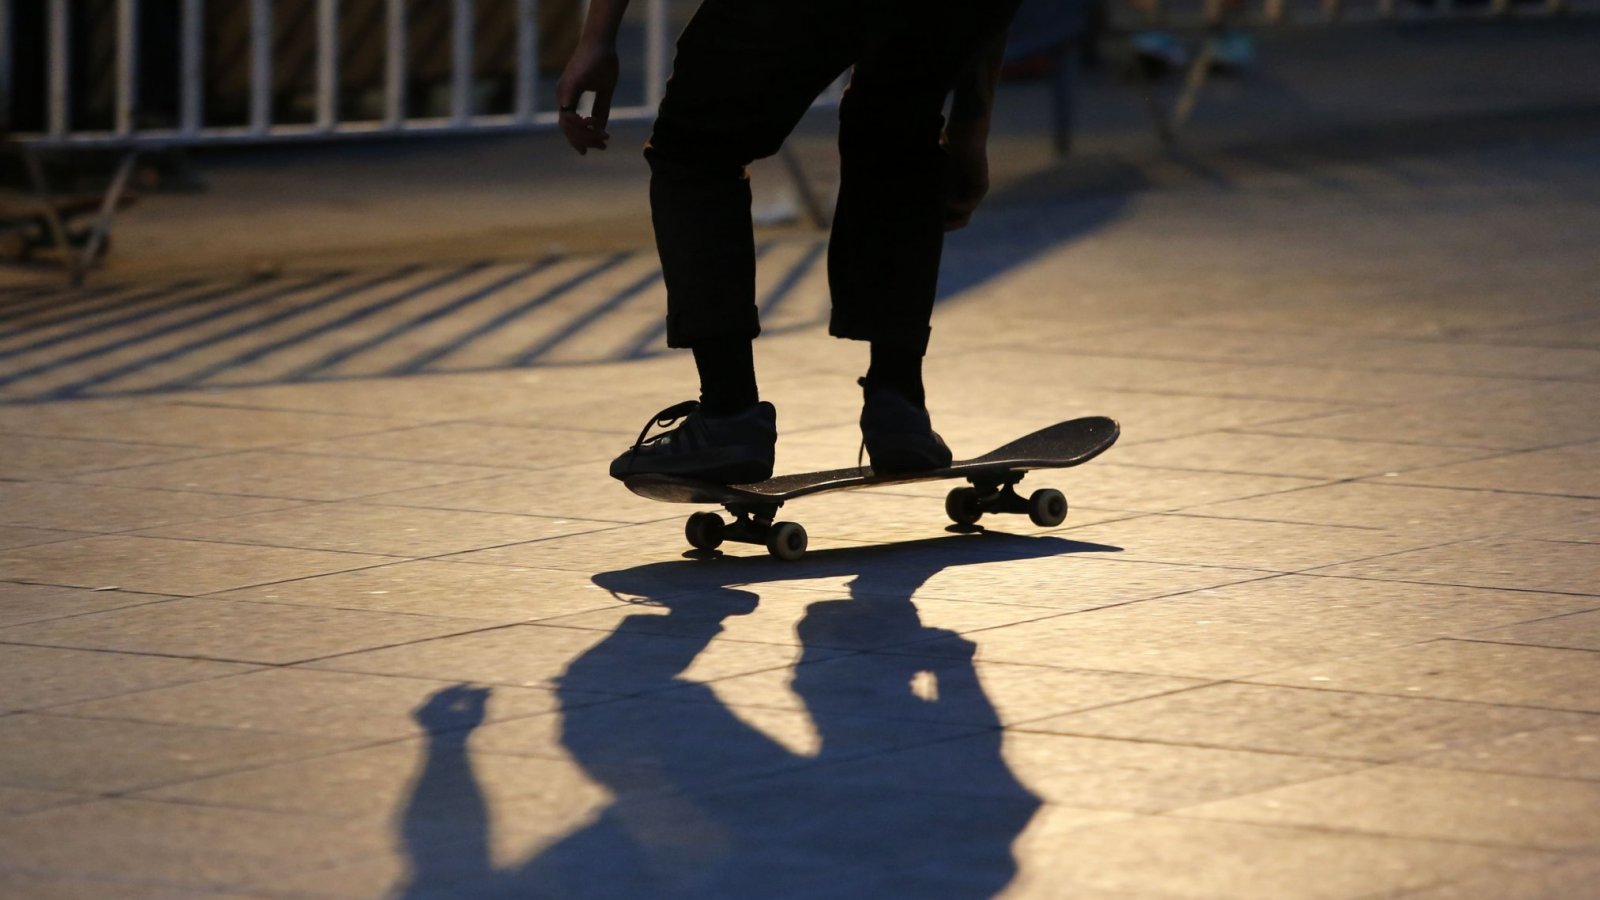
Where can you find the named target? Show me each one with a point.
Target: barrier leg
(57, 228)
(102, 222)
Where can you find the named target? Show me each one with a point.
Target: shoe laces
(665, 419)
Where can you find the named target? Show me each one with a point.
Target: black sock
(898, 367)
(727, 376)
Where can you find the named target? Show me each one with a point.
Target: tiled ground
(1322, 625)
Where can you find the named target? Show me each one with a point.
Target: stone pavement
(316, 588)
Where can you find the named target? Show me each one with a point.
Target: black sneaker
(898, 434)
(734, 449)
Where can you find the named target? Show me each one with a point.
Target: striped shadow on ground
(120, 340)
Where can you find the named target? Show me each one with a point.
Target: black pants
(746, 71)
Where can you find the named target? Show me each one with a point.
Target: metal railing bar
(60, 40)
(327, 64)
(656, 48)
(394, 64)
(527, 103)
(260, 66)
(6, 44)
(127, 64)
(154, 139)
(193, 74)
(461, 44)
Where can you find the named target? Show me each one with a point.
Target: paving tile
(1290, 455)
(774, 614)
(296, 476)
(97, 508)
(235, 630)
(1484, 360)
(363, 528)
(1179, 342)
(36, 677)
(1463, 670)
(305, 701)
(12, 536)
(1044, 571)
(1070, 582)
(183, 425)
(1406, 801)
(1253, 626)
(1580, 631)
(96, 755)
(39, 886)
(1519, 878)
(14, 800)
(812, 837)
(1131, 776)
(413, 399)
(23, 457)
(1490, 562)
(540, 656)
(1151, 489)
(1569, 750)
(377, 784)
(179, 844)
(694, 744)
(568, 491)
(430, 587)
(1306, 722)
(159, 566)
(469, 443)
(22, 603)
(1517, 419)
(1157, 857)
(1434, 513)
(1266, 546)
(933, 689)
(1333, 385)
(1565, 471)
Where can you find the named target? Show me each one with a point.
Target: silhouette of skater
(710, 806)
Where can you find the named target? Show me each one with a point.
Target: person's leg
(888, 232)
(744, 74)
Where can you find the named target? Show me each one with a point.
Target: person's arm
(966, 134)
(593, 68)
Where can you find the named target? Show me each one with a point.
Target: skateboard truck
(752, 524)
(1046, 507)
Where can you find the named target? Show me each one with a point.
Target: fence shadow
(907, 793)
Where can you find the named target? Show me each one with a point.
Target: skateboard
(991, 488)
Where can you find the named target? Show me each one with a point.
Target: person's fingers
(600, 112)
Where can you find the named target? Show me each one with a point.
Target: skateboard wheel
(1047, 507)
(962, 505)
(704, 531)
(786, 541)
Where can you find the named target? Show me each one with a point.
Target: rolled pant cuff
(915, 338)
(683, 332)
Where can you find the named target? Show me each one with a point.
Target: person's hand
(592, 68)
(457, 707)
(966, 178)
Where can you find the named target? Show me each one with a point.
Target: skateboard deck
(992, 478)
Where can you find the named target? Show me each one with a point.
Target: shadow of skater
(907, 793)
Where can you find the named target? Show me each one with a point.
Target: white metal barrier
(192, 129)
(128, 134)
